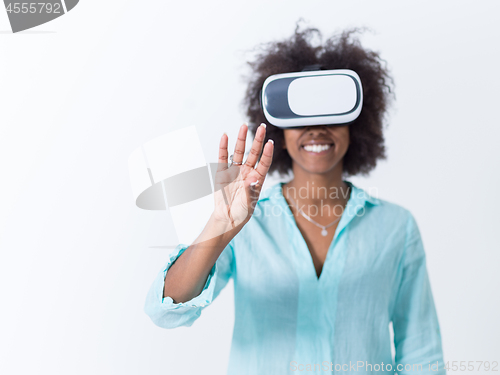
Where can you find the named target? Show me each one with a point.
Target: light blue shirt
(287, 321)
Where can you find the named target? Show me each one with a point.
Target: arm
(188, 281)
(417, 336)
(188, 274)
(166, 313)
(235, 197)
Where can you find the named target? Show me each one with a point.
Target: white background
(79, 94)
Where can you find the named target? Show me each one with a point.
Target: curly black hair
(341, 51)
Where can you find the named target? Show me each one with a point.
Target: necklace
(324, 232)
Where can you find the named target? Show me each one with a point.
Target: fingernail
(225, 133)
(270, 140)
(264, 125)
(254, 183)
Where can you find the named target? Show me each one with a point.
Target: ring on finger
(234, 162)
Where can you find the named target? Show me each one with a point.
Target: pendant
(324, 233)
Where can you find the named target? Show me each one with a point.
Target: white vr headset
(320, 97)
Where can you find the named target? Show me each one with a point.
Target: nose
(316, 128)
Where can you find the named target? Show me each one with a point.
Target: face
(318, 148)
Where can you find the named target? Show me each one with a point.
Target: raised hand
(238, 186)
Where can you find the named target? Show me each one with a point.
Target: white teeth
(316, 148)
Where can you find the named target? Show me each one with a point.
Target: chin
(318, 168)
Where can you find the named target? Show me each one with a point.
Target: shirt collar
(358, 196)
(355, 207)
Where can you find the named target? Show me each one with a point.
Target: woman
(321, 269)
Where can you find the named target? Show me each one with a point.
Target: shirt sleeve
(167, 314)
(417, 336)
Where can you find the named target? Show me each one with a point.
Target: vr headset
(319, 97)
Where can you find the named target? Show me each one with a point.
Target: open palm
(238, 186)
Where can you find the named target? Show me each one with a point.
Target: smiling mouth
(318, 148)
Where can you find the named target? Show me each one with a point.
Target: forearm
(187, 276)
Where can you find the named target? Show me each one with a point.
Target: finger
(255, 188)
(255, 191)
(239, 148)
(222, 164)
(257, 144)
(265, 160)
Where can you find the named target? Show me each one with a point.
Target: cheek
(347, 140)
(290, 139)
(344, 137)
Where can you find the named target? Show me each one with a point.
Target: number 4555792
(471, 366)
(33, 8)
